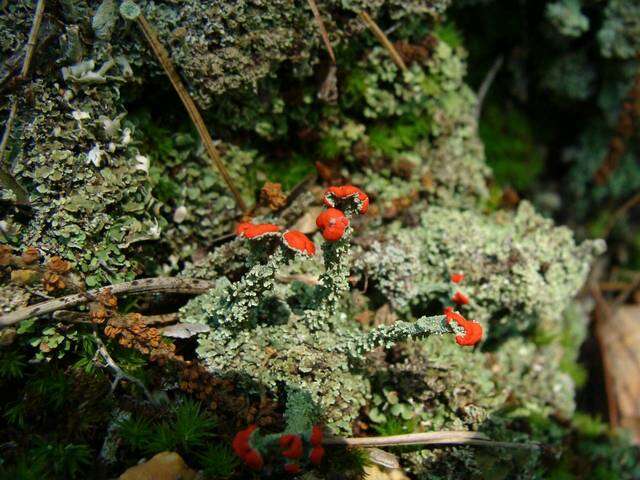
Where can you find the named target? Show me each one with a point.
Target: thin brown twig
(5, 176)
(321, 27)
(621, 212)
(146, 285)
(383, 39)
(163, 57)
(626, 292)
(427, 438)
(33, 36)
(115, 368)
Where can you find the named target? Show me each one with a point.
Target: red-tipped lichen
(251, 231)
(472, 330)
(299, 242)
(333, 194)
(291, 446)
(333, 223)
(316, 455)
(457, 277)
(241, 446)
(316, 436)
(292, 468)
(460, 298)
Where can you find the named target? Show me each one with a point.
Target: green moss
(510, 147)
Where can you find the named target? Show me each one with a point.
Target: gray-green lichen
(420, 135)
(520, 270)
(619, 35)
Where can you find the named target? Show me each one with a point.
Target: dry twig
(115, 368)
(373, 26)
(323, 30)
(5, 177)
(163, 57)
(427, 438)
(145, 285)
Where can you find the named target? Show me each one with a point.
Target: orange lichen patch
(58, 265)
(30, 255)
(299, 242)
(460, 298)
(272, 196)
(345, 192)
(98, 314)
(52, 282)
(333, 223)
(131, 332)
(107, 299)
(251, 231)
(291, 446)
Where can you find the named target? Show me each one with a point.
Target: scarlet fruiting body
(316, 436)
(457, 277)
(460, 298)
(251, 231)
(333, 223)
(345, 192)
(292, 468)
(291, 446)
(472, 334)
(299, 242)
(316, 455)
(243, 449)
(472, 330)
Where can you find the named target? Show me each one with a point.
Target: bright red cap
(251, 231)
(292, 468)
(240, 442)
(291, 446)
(333, 224)
(316, 455)
(250, 456)
(347, 191)
(472, 334)
(316, 436)
(457, 277)
(472, 330)
(254, 460)
(299, 242)
(460, 298)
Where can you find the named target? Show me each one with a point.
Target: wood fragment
(427, 438)
(321, 27)
(619, 340)
(383, 39)
(190, 286)
(163, 57)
